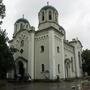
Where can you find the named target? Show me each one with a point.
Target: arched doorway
(67, 68)
(21, 70)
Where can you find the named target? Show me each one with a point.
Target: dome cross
(23, 16)
(48, 3)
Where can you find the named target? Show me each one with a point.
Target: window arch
(55, 16)
(42, 48)
(58, 49)
(43, 16)
(27, 26)
(50, 15)
(22, 43)
(21, 26)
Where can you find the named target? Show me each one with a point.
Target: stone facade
(45, 53)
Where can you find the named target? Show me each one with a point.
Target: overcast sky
(74, 16)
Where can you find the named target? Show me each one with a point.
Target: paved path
(42, 86)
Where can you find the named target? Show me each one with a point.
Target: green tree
(2, 11)
(6, 57)
(86, 61)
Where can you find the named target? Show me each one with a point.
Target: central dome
(47, 15)
(48, 7)
(21, 24)
(22, 20)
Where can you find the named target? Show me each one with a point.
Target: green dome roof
(22, 20)
(48, 7)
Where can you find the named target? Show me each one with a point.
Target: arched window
(58, 68)
(58, 49)
(56, 17)
(26, 26)
(43, 16)
(42, 48)
(43, 68)
(22, 43)
(21, 26)
(50, 15)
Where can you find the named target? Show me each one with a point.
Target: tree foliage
(6, 57)
(2, 11)
(86, 61)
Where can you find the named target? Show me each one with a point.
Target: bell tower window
(55, 17)
(21, 26)
(43, 16)
(50, 15)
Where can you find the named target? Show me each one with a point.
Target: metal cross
(23, 15)
(47, 3)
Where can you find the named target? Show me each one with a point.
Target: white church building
(45, 53)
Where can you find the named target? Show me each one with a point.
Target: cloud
(74, 16)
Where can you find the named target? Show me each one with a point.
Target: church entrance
(21, 70)
(67, 68)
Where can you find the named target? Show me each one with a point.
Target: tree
(2, 11)
(6, 57)
(86, 61)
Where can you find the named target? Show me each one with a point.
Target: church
(45, 53)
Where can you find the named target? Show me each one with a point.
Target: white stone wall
(78, 48)
(41, 38)
(28, 50)
(31, 55)
(58, 55)
(17, 44)
(69, 53)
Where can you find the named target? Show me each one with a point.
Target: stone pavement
(43, 86)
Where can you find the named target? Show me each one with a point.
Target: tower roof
(48, 7)
(22, 20)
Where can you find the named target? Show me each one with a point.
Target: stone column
(52, 54)
(63, 59)
(31, 55)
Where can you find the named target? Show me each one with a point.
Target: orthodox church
(45, 53)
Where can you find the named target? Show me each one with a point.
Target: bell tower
(48, 16)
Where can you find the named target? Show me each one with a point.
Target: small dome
(21, 24)
(48, 7)
(22, 20)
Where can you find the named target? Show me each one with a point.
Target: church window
(26, 26)
(72, 64)
(55, 17)
(42, 48)
(21, 51)
(22, 43)
(43, 16)
(43, 68)
(50, 15)
(58, 49)
(21, 26)
(58, 68)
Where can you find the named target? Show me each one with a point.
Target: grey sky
(74, 16)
